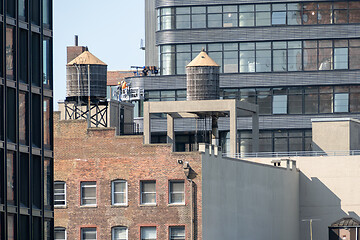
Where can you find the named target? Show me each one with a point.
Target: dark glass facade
(26, 150)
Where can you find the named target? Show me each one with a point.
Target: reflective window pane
(280, 104)
(341, 58)
(341, 102)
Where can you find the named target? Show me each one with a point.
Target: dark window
(10, 8)
(88, 234)
(11, 114)
(354, 53)
(310, 55)
(2, 109)
(24, 227)
(36, 120)
(23, 56)
(35, 59)
(35, 12)
(264, 100)
(355, 99)
(295, 100)
(47, 122)
(22, 9)
(36, 181)
(36, 228)
(11, 177)
(24, 179)
(325, 55)
(10, 52)
(23, 118)
(59, 233)
(311, 100)
(2, 175)
(48, 183)
(309, 13)
(47, 13)
(340, 12)
(279, 57)
(326, 100)
(11, 227)
(177, 233)
(354, 12)
(325, 13)
(59, 193)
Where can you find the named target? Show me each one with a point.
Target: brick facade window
(88, 234)
(148, 233)
(119, 233)
(119, 192)
(177, 233)
(148, 192)
(88, 193)
(176, 192)
(59, 233)
(59, 193)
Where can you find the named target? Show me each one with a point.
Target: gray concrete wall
(344, 134)
(245, 200)
(328, 191)
(151, 54)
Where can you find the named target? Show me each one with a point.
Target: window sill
(148, 205)
(60, 207)
(119, 206)
(176, 204)
(88, 206)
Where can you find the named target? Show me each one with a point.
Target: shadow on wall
(318, 202)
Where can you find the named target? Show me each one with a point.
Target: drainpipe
(192, 206)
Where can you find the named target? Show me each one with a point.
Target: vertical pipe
(88, 105)
(76, 40)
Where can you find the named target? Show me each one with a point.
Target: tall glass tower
(26, 142)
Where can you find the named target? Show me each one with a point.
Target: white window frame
(113, 193)
(60, 194)
(171, 228)
(113, 230)
(83, 185)
(58, 229)
(88, 228)
(141, 232)
(170, 192)
(142, 192)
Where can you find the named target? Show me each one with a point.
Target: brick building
(115, 187)
(98, 157)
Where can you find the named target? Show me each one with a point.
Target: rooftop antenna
(142, 44)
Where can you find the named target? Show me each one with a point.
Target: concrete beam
(147, 123)
(170, 131)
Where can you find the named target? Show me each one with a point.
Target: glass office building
(26, 143)
(297, 60)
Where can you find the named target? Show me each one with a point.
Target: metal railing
(293, 154)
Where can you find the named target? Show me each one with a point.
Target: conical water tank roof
(86, 58)
(203, 60)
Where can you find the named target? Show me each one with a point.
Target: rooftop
(86, 58)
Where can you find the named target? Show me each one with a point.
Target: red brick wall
(98, 155)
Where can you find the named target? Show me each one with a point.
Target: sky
(111, 29)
